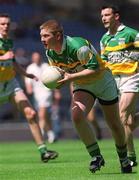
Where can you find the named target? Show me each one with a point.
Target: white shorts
(127, 83)
(104, 89)
(43, 99)
(7, 89)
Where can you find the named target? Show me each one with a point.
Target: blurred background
(79, 18)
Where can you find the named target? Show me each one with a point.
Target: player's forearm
(7, 56)
(87, 73)
(3, 58)
(23, 72)
(19, 69)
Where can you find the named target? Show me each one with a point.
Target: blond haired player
(91, 80)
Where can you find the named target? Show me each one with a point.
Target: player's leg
(136, 122)
(112, 117)
(82, 102)
(45, 123)
(22, 103)
(127, 113)
(41, 116)
(94, 121)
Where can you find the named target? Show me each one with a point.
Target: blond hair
(53, 25)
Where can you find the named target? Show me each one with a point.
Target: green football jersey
(121, 51)
(6, 66)
(76, 54)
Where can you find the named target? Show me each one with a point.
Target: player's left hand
(67, 78)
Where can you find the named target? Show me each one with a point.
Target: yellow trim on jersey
(72, 65)
(102, 63)
(136, 43)
(6, 74)
(2, 52)
(123, 68)
(119, 47)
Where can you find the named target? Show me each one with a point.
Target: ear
(58, 35)
(117, 16)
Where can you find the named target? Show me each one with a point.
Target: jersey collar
(3, 37)
(63, 45)
(120, 28)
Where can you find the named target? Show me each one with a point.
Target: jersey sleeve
(87, 57)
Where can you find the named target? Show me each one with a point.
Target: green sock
(93, 149)
(122, 152)
(132, 156)
(42, 148)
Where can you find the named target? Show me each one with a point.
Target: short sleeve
(87, 57)
(84, 54)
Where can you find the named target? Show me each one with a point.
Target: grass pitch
(21, 161)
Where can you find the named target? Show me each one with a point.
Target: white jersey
(42, 95)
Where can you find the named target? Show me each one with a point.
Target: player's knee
(77, 115)
(124, 118)
(31, 115)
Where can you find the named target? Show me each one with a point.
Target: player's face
(48, 39)
(4, 26)
(108, 17)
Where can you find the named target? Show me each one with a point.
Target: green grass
(21, 161)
